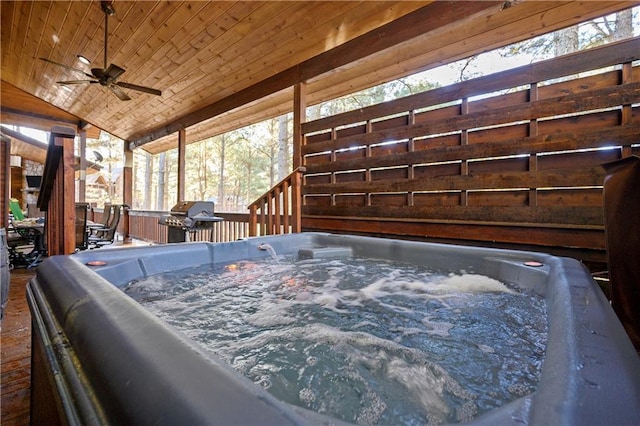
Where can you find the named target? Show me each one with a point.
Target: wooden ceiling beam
(34, 115)
(417, 23)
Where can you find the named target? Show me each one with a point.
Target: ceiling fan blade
(139, 88)
(113, 71)
(119, 92)
(65, 66)
(76, 81)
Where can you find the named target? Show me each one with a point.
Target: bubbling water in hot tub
(365, 341)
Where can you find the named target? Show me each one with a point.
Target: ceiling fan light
(84, 60)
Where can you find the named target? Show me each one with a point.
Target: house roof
(225, 64)
(34, 150)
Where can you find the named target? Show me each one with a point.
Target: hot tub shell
(100, 358)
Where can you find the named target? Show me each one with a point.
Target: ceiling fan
(107, 76)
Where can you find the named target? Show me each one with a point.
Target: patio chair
(107, 211)
(104, 236)
(16, 211)
(24, 246)
(82, 233)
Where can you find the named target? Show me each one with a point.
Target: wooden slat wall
(512, 158)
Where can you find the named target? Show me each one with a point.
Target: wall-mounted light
(84, 60)
(15, 161)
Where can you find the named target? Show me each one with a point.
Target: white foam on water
(437, 328)
(470, 283)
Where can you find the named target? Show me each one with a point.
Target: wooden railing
(278, 210)
(143, 225)
(512, 158)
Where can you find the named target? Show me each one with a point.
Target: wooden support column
(533, 157)
(57, 194)
(627, 111)
(299, 117)
(411, 147)
(464, 140)
(367, 154)
(82, 182)
(182, 143)
(127, 190)
(5, 161)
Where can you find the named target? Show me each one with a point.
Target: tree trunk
(161, 182)
(147, 180)
(223, 142)
(624, 25)
(283, 151)
(565, 41)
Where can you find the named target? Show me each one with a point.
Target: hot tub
(99, 357)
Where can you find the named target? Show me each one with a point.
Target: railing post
(253, 220)
(296, 201)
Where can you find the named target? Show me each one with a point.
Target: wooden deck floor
(15, 349)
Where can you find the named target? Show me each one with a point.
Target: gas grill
(186, 217)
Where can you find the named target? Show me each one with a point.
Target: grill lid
(193, 208)
(191, 215)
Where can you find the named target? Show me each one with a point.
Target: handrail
(278, 210)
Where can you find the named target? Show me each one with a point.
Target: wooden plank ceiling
(226, 64)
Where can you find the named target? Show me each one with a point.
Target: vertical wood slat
(464, 140)
(626, 116)
(182, 153)
(299, 117)
(296, 201)
(82, 183)
(533, 157)
(124, 227)
(411, 147)
(253, 219)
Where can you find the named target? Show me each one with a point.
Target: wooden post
(533, 157)
(57, 194)
(127, 191)
(82, 182)
(296, 201)
(464, 140)
(253, 220)
(182, 142)
(299, 117)
(5, 161)
(626, 115)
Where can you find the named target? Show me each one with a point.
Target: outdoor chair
(82, 233)
(23, 247)
(106, 215)
(105, 235)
